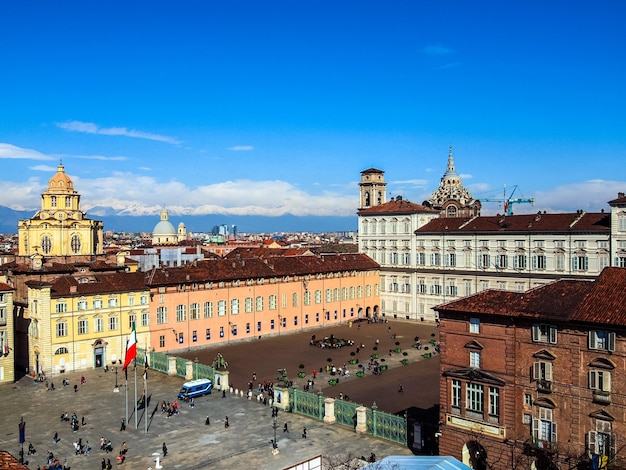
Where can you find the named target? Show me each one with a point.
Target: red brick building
(536, 379)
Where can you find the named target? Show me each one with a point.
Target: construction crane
(510, 200)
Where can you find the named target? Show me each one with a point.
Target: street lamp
(274, 442)
(280, 319)
(195, 373)
(116, 384)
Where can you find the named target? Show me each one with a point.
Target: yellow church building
(60, 228)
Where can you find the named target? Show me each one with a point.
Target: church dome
(164, 227)
(60, 180)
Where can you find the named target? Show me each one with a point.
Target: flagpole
(136, 425)
(126, 374)
(145, 376)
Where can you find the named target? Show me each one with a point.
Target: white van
(195, 388)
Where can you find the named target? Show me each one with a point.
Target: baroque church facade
(60, 228)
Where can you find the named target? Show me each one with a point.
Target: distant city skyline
(252, 109)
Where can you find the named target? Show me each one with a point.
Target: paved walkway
(246, 443)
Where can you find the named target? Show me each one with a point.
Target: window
(542, 373)
(194, 336)
(46, 244)
(248, 301)
(519, 262)
(544, 333)
(143, 299)
(456, 396)
(600, 380)
(112, 323)
(318, 296)
(234, 306)
(82, 305)
(435, 259)
(560, 262)
(435, 289)
(474, 359)
(580, 263)
(145, 319)
(161, 315)
(259, 304)
(258, 326)
(494, 402)
(539, 262)
(474, 397)
(194, 311)
(543, 427)
(474, 325)
(602, 441)
(131, 300)
(83, 326)
(451, 289)
(75, 244)
(181, 313)
(61, 306)
(98, 325)
(294, 299)
(113, 302)
(602, 340)
(221, 331)
(306, 297)
(421, 259)
(132, 318)
(208, 309)
(484, 261)
(271, 324)
(221, 308)
(329, 295)
(162, 341)
(61, 329)
(272, 302)
(502, 261)
(207, 333)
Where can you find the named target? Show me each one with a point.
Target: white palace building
(443, 249)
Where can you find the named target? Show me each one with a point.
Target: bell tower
(373, 188)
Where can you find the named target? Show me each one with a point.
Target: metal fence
(378, 423)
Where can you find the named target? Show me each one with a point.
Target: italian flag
(131, 348)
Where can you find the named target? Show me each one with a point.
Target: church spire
(450, 171)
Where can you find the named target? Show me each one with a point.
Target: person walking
(304, 433)
(207, 421)
(286, 428)
(226, 424)
(401, 389)
(123, 425)
(164, 450)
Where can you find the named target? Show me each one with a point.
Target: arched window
(46, 244)
(75, 244)
(61, 351)
(451, 211)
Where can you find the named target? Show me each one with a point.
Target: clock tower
(60, 228)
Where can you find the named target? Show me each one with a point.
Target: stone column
(171, 365)
(281, 393)
(329, 410)
(221, 380)
(361, 419)
(189, 370)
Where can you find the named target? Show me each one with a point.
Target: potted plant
(301, 374)
(405, 362)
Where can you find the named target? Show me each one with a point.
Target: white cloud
(239, 148)
(133, 194)
(46, 168)
(91, 128)
(437, 50)
(11, 151)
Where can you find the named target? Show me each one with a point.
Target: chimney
(620, 194)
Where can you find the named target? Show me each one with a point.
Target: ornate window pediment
(471, 374)
(603, 415)
(474, 345)
(602, 363)
(545, 403)
(545, 355)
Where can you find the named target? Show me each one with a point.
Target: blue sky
(275, 107)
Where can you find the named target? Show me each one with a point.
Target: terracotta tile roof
(621, 199)
(261, 252)
(600, 301)
(5, 287)
(372, 170)
(259, 268)
(606, 302)
(569, 222)
(397, 206)
(99, 284)
(8, 462)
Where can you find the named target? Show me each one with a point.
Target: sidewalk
(191, 444)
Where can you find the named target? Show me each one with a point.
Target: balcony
(544, 386)
(602, 397)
